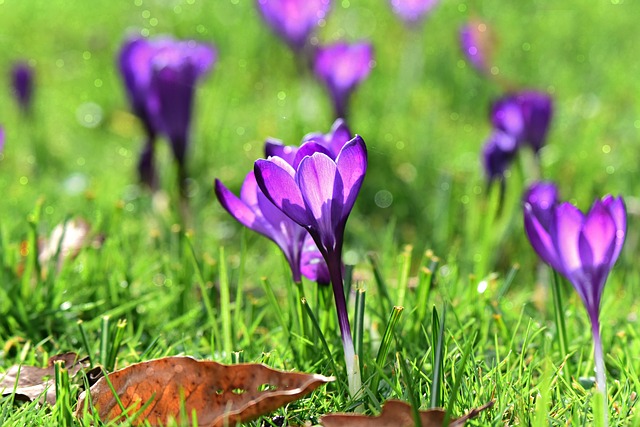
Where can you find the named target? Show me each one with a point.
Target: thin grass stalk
(385, 345)
(403, 278)
(459, 374)
(411, 394)
(558, 309)
(358, 327)
(438, 356)
(225, 306)
(85, 343)
(323, 340)
(383, 289)
(104, 341)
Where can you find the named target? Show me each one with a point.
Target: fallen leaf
(32, 382)
(396, 413)
(221, 395)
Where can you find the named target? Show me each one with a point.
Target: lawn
(428, 233)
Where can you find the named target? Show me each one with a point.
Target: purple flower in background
(582, 247)
(341, 67)
(477, 44)
(1, 139)
(293, 20)
(525, 115)
(160, 76)
(498, 153)
(412, 11)
(319, 195)
(312, 264)
(22, 84)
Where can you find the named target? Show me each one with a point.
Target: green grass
(198, 288)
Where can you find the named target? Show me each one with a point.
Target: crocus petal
(352, 166)
(308, 149)
(275, 178)
(569, 222)
(497, 154)
(238, 209)
(598, 236)
(618, 212)
(537, 110)
(412, 11)
(274, 147)
(312, 263)
(319, 183)
(540, 239)
(507, 115)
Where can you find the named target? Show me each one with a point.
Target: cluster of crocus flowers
(518, 119)
(160, 76)
(301, 198)
(256, 212)
(412, 11)
(22, 76)
(582, 247)
(341, 67)
(319, 194)
(294, 20)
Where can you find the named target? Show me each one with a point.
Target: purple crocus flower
(412, 11)
(319, 195)
(160, 76)
(312, 264)
(294, 20)
(525, 115)
(22, 83)
(498, 153)
(582, 247)
(341, 67)
(1, 139)
(477, 43)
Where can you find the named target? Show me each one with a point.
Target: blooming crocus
(319, 195)
(341, 67)
(525, 115)
(294, 20)
(582, 247)
(477, 44)
(412, 11)
(160, 76)
(22, 83)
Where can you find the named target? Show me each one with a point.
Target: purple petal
(477, 44)
(598, 236)
(312, 263)
(308, 149)
(238, 209)
(337, 137)
(412, 11)
(497, 154)
(536, 109)
(274, 147)
(275, 178)
(352, 166)
(507, 115)
(540, 238)
(293, 20)
(542, 197)
(618, 212)
(321, 189)
(569, 222)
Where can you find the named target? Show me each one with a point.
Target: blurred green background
(423, 113)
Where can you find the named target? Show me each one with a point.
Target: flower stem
(353, 365)
(601, 381)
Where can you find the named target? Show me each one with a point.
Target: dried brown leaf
(32, 382)
(396, 413)
(219, 394)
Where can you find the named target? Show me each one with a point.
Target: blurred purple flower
(525, 115)
(477, 44)
(319, 195)
(341, 67)
(22, 83)
(293, 20)
(498, 153)
(581, 247)
(412, 11)
(160, 76)
(2, 136)
(312, 264)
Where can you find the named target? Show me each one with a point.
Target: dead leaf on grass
(396, 413)
(220, 394)
(32, 382)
